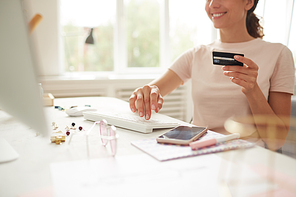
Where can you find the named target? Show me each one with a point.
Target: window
(280, 27)
(130, 34)
(142, 27)
(93, 19)
(292, 37)
(189, 26)
(147, 35)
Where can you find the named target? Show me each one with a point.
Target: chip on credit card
(224, 58)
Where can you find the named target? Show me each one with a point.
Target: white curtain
(278, 19)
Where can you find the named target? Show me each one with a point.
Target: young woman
(262, 87)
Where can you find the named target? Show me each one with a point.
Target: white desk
(35, 171)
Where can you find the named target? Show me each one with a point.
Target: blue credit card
(226, 59)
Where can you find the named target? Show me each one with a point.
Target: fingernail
(237, 57)
(153, 107)
(147, 116)
(141, 114)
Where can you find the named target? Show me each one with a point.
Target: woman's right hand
(146, 99)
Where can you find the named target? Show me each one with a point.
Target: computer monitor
(19, 90)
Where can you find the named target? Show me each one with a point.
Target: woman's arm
(149, 97)
(271, 117)
(275, 111)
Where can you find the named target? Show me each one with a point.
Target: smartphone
(182, 135)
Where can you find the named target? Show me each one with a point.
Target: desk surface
(35, 171)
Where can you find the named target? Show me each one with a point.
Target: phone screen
(183, 133)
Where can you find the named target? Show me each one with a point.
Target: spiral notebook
(165, 152)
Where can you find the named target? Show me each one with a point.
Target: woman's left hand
(244, 76)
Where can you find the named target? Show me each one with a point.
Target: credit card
(223, 58)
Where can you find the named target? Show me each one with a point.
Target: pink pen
(199, 144)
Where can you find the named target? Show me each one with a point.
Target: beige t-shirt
(215, 97)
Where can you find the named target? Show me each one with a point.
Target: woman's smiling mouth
(218, 15)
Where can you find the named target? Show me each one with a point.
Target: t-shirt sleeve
(283, 77)
(182, 66)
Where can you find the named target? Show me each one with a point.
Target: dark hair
(253, 26)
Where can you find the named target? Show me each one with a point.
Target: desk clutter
(75, 111)
(48, 99)
(58, 136)
(164, 152)
(107, 134)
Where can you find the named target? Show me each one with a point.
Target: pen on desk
(199, 144)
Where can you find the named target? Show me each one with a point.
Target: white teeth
(217, 15)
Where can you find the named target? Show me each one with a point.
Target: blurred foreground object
(34, 22)
(245, 126)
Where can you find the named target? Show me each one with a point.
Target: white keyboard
(132, 121)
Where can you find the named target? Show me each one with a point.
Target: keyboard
(132, 121)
